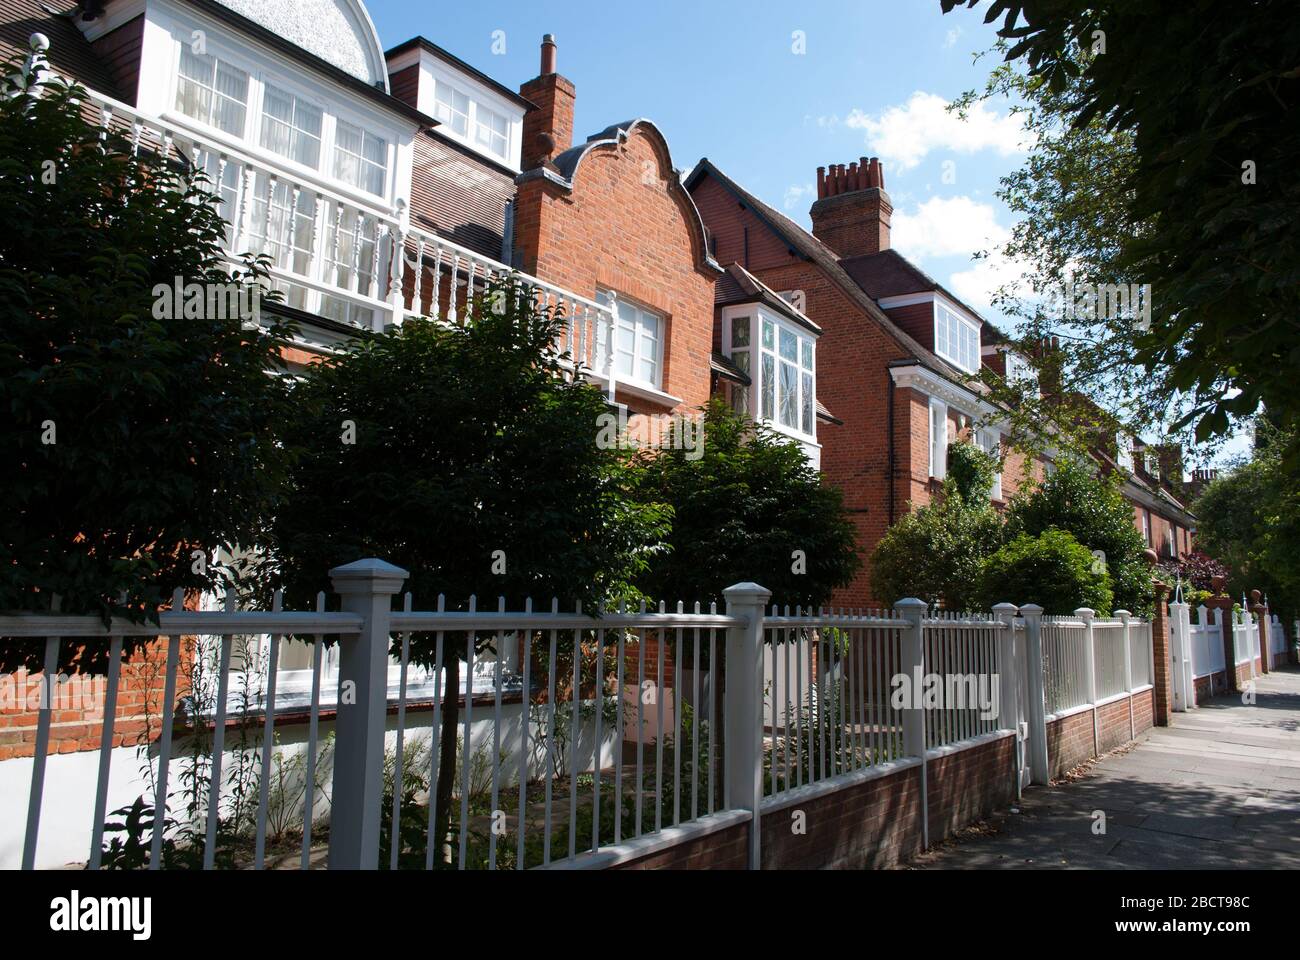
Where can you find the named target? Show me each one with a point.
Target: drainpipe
(889, 391)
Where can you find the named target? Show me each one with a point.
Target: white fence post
(911, 664)
(1008, 682)
(1036, 709)
(366, 588)
(1127, 618)
(1090, 670)
(743, 708)
(1180, 657)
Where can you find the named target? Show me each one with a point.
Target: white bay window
(783, 388)
(360, 158)
(956, 339)
(291, 126)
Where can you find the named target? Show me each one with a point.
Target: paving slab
(1218, 789)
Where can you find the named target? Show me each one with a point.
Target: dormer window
(471, 120)
(451, 107)
(1124, 457)
(212, 92)
(956, 339)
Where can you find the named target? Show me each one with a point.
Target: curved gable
(570, 165)
(340, 32)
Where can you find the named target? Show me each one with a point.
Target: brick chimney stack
(852, 212)
(548, 130)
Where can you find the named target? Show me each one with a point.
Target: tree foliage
(465, 454)
(132, 440)
(1052, 570)
(1165, 156)
(936, 552)
(1092, 509)
(1250, 519)
(750, 508)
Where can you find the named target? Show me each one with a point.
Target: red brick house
(896, 352)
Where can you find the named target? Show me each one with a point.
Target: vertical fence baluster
(105, 750)
(218, 741)
(552, 663)
(313, 735)
(599, 636)
(575, 738)
(268, 739)
(620, 652)
(496, 737)
(399, 756)
(677, 726)
(713, 706)
(165, 739)
(435, 742)
(695, 726)
(659, 725)
(467, 751)
(640, 727)
(525, 731)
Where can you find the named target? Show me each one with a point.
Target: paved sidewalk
(1219, 789)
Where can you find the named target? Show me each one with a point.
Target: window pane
(789, 346)
(769, 385)
(807, 354)
(769, 335)
(789, 395)
(806, 396)
(740, 331)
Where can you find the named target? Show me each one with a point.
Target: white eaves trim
(931, 384)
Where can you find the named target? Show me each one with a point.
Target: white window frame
(297, 98)
(642, 312)
(989, 440)
(362, 160)
(1124, 451)
(219, 58)
(938, 412)
(478, 114)
(757, 351)
(945, 313)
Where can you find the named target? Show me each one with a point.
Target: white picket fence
(1197, 647)
(579, 731)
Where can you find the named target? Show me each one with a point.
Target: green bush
(1053, 570)
(1093, 509)
(937, 552)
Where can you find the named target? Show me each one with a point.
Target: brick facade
(627, 225)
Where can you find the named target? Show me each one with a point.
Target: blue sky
(771, 89)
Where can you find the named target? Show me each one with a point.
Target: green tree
(1052, 570)
(1184, 116)
(136, 435)
(1092, 509)
(747, 507)
(465, 454)
(936, 553)
(1250, 519)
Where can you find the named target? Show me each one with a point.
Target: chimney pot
(548, 54)
(821, 182)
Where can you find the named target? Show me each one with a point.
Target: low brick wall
(1144, 711)
(1070, 738)
(1210, 685)
(726, 849)
(967, 785)
(873, 823)
(1069, 742)
(1113, 721)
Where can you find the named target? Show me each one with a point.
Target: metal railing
(574, 731)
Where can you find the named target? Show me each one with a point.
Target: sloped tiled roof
(70, 53)
(810, 248)
(738, 285)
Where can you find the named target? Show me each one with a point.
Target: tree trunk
(447, 759)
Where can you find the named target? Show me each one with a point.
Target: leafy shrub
(1053, 570)
(936, 553)
(1076, 499)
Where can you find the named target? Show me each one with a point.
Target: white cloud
(904, 135)
(796, 193)
(959, 227)
(945, 227)
(950, 38)
(984, 278)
